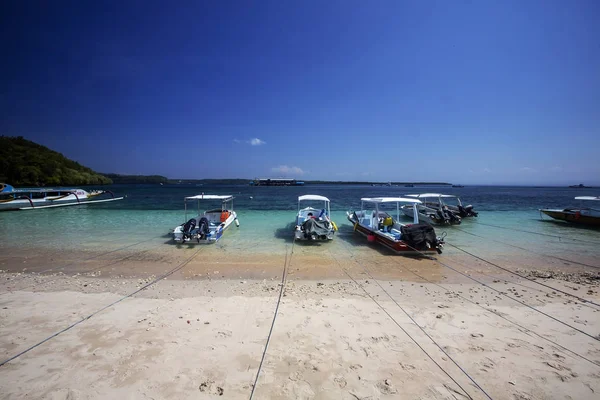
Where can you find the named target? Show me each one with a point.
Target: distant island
(306, 182)
(136, 179)
(26, 163)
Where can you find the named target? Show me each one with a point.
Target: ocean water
(509, 223)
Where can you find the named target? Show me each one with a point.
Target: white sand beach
(346, 330)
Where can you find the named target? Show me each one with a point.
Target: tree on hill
(26, 163)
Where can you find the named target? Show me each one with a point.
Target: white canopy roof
(430, 195)
(312, 197)
(210, 197)
(587, 198)
(389, 200)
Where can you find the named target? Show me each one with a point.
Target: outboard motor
(188, 227)
(454, 219)
(442, 217)
(203, 228)
(470, 212)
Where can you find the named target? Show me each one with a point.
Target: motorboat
(433, 209)
(36, 198)
(207, 226)
(314, 223)
(446, 206)
(578, 215)
(375, 222)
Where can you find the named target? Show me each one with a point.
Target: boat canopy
(430, 195)
(389, 200)
(210, 197)
(313, 197)
(587, 198)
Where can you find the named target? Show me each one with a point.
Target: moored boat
(432, 209)
(37, 198)
(444, 209)
(314, 223)
(578, 215)
(375, 222)
(207, 226)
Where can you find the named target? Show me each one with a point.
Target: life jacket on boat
(224, 216)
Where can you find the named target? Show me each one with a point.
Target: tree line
(26, 163)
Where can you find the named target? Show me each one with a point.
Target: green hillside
(25, 163)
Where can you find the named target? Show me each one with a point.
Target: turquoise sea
(508, 225)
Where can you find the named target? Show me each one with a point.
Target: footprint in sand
(210, 387)
(386, 387)
(407, 367)
(340, 381)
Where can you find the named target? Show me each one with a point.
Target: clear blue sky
(487, 92)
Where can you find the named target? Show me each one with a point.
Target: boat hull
(573, 216)
(216, 231)
(397, 246)
(27, 203)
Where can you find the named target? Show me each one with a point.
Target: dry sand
(349, 326)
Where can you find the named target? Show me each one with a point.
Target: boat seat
(365, 221)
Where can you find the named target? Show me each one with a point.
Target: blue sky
(472, 92)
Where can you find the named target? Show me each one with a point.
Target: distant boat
(276, 182)
(580, 186)
(458, 186)
(409, 185)
(34, 198)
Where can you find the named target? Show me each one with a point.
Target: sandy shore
(348, 327)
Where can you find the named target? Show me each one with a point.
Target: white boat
(314, 223)
(377, 224)
(207, 226)
(578, 215)
(36, 198)
(440, 209)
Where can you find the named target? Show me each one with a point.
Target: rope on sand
(408, 334)
(282, 285)
(502, 316)
(168, 273)
(525, 277)
(506, 295)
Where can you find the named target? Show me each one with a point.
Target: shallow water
(508, 228)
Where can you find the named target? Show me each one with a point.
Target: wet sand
(351, 325)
